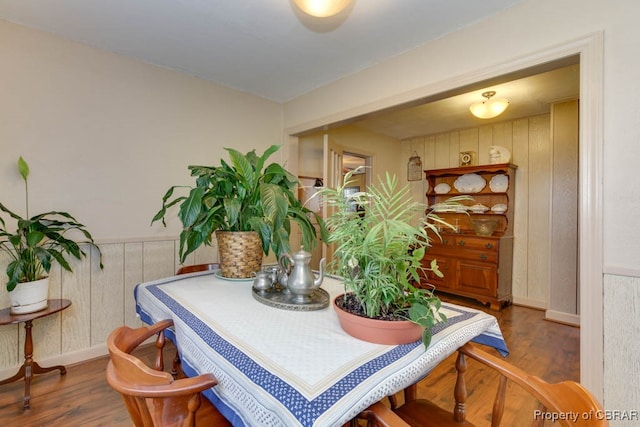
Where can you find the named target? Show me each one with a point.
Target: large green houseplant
(34, 246)
(378, 252)
(246, 195)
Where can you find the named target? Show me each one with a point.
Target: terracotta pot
(390, 332)
(240, 253)
(29, 297)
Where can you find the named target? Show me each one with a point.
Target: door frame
(590, 49)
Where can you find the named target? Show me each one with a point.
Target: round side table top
(54, 306)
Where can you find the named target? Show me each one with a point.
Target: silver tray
(280, 297)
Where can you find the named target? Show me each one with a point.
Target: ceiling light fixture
(322, 8)
(490, 108)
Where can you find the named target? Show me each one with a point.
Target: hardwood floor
(82, 397)
(543, 348)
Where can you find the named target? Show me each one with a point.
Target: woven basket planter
(240, 253)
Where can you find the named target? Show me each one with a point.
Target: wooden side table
(30, 367)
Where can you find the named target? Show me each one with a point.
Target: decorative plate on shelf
(499, 154)
(469, 183)
(499, 208)
(478, 208)
(499, 183)
(442, 188)
(442, 207)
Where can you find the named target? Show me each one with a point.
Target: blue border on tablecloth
(306, 411)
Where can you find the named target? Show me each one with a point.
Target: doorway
(589, 50)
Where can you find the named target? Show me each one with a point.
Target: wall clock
(467, 158)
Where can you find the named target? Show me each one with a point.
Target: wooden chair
(197, 267)
(185, 269)
(560, 398)
(153, 397)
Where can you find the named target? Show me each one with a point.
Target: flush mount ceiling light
(322, 8)
(490, 108)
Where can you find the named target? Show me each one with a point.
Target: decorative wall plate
(478, 208)
(442, 207)
(504, 154)
(469, 183)
(499, 208)
(499, 183)
(442, 188)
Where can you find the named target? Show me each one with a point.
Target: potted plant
(34, 246)
(379, 250)
(245, 199)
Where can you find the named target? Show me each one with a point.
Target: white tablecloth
(279, 367)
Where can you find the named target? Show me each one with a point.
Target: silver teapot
(301, 281)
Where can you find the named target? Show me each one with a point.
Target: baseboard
(63, 359)
(528, 302)
(560, 317)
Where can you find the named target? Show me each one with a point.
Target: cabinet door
(477, 277)
(446, 267)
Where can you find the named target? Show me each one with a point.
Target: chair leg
(176, 369)
(159, 362)
(460, 390)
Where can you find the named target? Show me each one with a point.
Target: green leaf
(244, 167)
(46, 255)
(426, 337)
(34, 237)
(435, 269)
(274, 204)
(268, 152)
(23, 168)
(191, 207)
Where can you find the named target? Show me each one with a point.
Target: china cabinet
(474, 266)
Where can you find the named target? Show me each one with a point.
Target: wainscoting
(101, 301)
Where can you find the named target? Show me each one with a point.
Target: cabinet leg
(495, 305)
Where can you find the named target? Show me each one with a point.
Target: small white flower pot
(29, 297)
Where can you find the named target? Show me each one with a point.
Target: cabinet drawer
(487, 256)
(446, 241)
(462, 252)
(477, 278)
(477, 243)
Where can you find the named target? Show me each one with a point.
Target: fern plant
(245, 195)
(379, 250)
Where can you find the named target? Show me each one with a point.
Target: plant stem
(26, 197)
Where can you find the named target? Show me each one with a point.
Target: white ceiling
(265, 47)
(271, 49)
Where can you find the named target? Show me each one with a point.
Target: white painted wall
(105, 136)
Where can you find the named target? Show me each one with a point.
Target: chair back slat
(153, 397)
(197, 267)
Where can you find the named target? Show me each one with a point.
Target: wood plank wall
(530, 144)
(101, 301)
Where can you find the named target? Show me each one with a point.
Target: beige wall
(105, 136)
(383, 149)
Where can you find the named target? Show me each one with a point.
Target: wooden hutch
(474, 266)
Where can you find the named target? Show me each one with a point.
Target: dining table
(283, 366)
